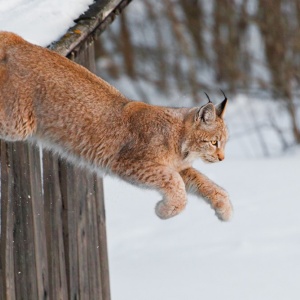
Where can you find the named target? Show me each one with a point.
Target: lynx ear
(221, 108)
(206, 114)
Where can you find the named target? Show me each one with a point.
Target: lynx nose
(221, 156)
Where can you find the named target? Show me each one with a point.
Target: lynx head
(206, 132)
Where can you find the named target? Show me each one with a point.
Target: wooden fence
(53, 235)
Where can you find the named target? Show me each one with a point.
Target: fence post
(53, 234)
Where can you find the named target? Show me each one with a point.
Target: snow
(194, 256)
(40, 21)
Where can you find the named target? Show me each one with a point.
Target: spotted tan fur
(49, 99)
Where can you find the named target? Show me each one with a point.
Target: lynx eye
(214, 143)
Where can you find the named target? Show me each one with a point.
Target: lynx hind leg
(161, 178)
(217, 197)
(17, 119)
(17, 127)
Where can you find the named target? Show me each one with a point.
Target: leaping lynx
(49, 99)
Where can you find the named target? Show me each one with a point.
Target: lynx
(47, 99)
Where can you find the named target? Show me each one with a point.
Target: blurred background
(169, 52)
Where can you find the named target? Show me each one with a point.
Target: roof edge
(94, 21)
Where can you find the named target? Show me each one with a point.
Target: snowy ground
(194, 256)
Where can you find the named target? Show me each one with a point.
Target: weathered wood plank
(81, 191)
(19, 230)
(25, 275)
(7, 221)
(94, 266)
(38, 224)
(70, 224)
(54, 234)
(103, 250)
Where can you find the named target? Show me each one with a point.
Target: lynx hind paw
(165, 211)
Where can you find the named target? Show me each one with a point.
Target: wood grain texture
(53, 233)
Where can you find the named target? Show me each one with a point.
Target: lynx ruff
(48, 99)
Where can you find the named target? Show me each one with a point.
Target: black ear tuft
(209, 101)
(206, 114)
(221, 108)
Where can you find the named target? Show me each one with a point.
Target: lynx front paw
(166, 211)
(223, 207)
